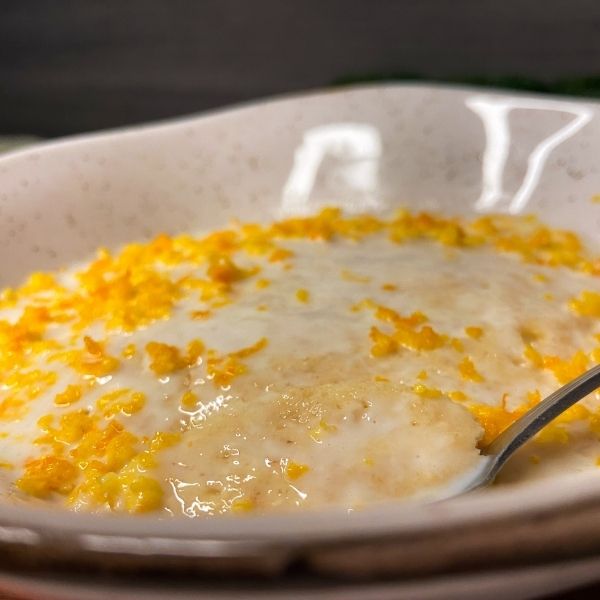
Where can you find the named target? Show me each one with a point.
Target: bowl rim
(235, 108)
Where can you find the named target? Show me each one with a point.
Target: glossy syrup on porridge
(321, 361)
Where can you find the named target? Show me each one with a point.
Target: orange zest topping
(468, 371)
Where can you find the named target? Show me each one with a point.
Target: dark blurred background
(73, 66)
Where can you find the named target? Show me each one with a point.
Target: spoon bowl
(496, 454)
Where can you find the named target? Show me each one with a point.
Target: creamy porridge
(326, 361)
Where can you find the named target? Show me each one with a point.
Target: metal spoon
(511, 439)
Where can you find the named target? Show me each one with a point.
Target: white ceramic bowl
(366, 148)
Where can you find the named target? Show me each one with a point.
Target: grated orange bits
(426, 392)
(224, 270)
(121, 401)
(104, 465)
(126, 294)
(474, 332)
(91, 361)
(223, 368)
(48, 474)
(468, 371)
(494, 420)
(564, 369)
(166, 359)
(587, 304)
(89, 357)
(409, 332)
(295, 470)
(71, 395)
(302, 295)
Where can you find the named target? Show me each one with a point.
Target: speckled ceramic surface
(460, 151)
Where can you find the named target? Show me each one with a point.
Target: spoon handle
(540, 415)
